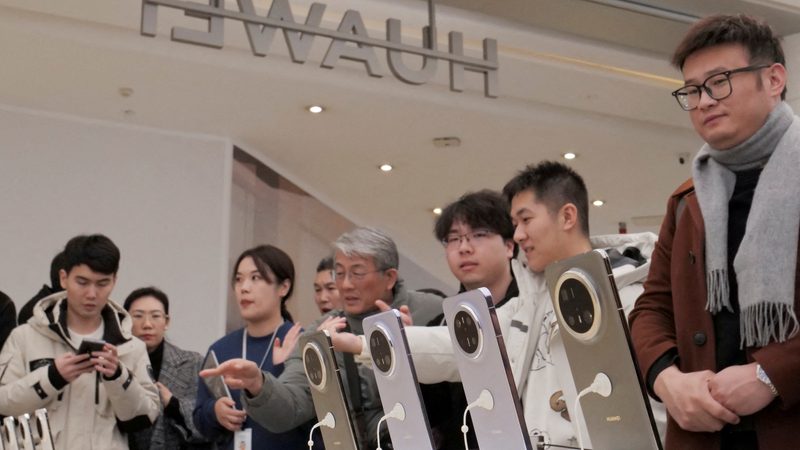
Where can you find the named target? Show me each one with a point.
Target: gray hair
(369, 242)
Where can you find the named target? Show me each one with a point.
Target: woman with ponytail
(263, 280)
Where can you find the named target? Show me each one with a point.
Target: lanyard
(269, 348)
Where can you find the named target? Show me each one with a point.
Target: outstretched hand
(238, 374)
(283, 348)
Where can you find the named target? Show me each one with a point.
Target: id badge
(243, 439)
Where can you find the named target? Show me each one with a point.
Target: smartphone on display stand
(397, 381)
(482, 361)
(327, 391)
(596, 340)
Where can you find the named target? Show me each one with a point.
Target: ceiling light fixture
(650, 10)
(570, 155)
(437, 211)
(598, 203)
(315, 109)
(386, 167)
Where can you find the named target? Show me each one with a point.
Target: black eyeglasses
(717, 86)
(452, 241)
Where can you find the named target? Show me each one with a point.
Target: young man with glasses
(719, 346)
(366, 272)
(477, 236)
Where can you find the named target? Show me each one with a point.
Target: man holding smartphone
(95, 395)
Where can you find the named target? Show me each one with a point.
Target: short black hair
(96, 251)
(325, 264)
(754, 34)
(554, 184)
(149, 291)
(55, 268)
(483, 209)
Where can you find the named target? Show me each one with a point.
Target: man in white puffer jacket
(549, 208)
(91, 399)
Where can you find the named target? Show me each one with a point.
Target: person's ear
(392, 276)
(568, 215)
(284, 288)
(509, 244)
(62, 278)
(776, 79)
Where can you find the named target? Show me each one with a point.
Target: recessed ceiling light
(386, 167)
(570, 155)
(437, 211)
(598, 202)
(315, 109)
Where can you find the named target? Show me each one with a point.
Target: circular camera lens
(576, 305)
(381, 351)
(313, 366)
(467, 333)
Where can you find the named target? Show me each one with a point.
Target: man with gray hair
(366, 263)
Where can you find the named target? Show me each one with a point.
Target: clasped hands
(706, 401)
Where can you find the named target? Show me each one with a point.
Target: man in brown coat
(716, 328)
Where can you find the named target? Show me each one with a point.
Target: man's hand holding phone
(71, 366)
(106, 361)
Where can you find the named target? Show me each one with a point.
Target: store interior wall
(161, 197)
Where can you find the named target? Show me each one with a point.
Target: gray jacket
(179, 369)
(285, 402)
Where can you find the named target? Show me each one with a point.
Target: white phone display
(44, 437)
(25, 436)
(397, 381)
(483, 364)
(10, 434)
(596, 340)
(327, 391)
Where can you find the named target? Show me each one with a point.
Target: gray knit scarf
(766, 262)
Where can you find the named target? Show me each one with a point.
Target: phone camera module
(467, 333)
(315, 371)
(576, 305)
(381, 350)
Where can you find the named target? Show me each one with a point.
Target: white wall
(791, 49)
(161, 197)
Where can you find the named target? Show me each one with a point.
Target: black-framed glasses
(717, 86)
(453, 240)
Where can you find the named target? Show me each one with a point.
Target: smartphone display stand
(44, 437)
(327, 391)
(596, 340)
(480, 354)
(10, 436)
(397, 382)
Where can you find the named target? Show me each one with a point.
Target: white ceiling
(559, 91)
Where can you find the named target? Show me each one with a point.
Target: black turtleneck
(726, 323)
